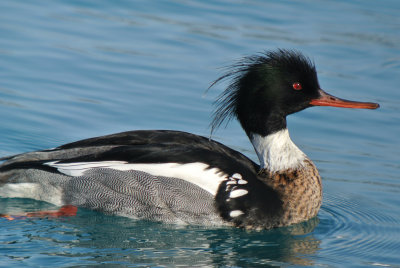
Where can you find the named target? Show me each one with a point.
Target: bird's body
(178, 177)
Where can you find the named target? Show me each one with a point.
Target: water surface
(71, 70)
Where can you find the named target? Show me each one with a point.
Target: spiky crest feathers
(281, 60)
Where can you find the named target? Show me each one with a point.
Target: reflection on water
(91, 237)
(96, 238)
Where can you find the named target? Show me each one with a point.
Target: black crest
(256, 69)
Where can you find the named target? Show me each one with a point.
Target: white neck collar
(277, 152)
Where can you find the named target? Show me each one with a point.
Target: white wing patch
(198, 173)
(79, 168)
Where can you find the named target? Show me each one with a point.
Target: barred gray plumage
(133, 194)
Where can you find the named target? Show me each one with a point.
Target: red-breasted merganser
(178, 177)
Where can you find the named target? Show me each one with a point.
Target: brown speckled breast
(300, 191)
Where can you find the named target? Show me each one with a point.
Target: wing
(152, 146)
(164, 169)
(182, 155)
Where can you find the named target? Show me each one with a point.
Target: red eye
(297, 86)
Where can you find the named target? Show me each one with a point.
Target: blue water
(76, 69)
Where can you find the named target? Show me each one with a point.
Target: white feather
(79, 168)
(277, 152)
(236, 213)
(199, 174)
(236, 176)
(242, 182)
(238, 193)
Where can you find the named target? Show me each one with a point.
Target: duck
(176, 177)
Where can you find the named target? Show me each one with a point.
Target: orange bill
(326, 99)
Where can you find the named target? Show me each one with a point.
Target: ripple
(351, 228)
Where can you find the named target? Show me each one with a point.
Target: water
(76, 69)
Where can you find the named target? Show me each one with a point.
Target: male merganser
(178, 177)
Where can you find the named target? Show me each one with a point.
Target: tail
(4, 158)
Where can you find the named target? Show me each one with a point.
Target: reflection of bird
(178, 177)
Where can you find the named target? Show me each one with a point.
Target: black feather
(226, 105)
